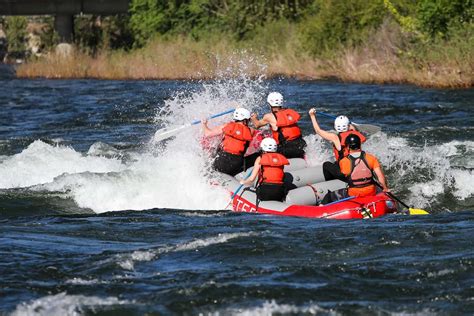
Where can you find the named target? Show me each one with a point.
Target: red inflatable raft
(307, 188)
(355, 208)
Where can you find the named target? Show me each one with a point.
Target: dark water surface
(95, 218)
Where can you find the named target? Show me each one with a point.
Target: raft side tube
(296, 164)
(301, 177)
(313, 193)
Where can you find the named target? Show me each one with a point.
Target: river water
(97, 218)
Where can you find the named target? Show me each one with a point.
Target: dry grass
(381, 61)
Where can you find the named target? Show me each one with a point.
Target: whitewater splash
(175, 173)
(63, 304)
(171, 174)
(176, 177)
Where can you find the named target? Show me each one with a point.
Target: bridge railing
(71, 7)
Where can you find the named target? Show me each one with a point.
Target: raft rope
(315, 191)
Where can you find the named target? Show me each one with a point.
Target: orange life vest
(344, 152)
(271, 170)
(236, 138)
(288, 129)
(361, 174)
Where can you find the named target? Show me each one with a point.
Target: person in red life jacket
(236, 137)
(284, 125)
(269, 169)
(344, 129)
(359, 168)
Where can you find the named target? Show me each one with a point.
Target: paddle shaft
(166, 133)
(397, 199)
(341, 200)
(333, 117)
(326, 115)
(392, 196)
(213, 116)
(240, 187)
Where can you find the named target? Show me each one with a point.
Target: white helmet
(275, 99)
(241, 114)
(269, 144)
(341, 124)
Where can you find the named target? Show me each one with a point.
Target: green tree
(15, 29)
(438, 16)
(49, 37)
(94, 33)
(199, 18)
(338, 22)
(147, 18)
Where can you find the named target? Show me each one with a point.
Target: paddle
(339, 201)
(364, 128)
(411, 211)
(249, 172)
(167, 132)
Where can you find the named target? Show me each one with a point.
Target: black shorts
(228, 163)
(271, 192)
(293, 148)
(333, 196)
(332, 171)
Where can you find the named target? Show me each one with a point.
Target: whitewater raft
(307, 188)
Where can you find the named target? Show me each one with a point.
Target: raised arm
(258, 123)
(324, 134)
(209, 132)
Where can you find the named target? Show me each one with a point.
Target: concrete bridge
(63, 10)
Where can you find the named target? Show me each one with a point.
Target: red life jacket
(236, 138)
(361, 174)
(271, 168)
(344, 152)
(288, 129)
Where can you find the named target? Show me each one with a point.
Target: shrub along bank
(427, 42)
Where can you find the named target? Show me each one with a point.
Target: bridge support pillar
(64, 26)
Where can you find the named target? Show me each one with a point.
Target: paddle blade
(416, 211)
(168, 132)
(367, 128)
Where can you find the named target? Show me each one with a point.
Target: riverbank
(382, 62)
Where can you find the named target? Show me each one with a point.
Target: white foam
(159, 176)
(428, 171)
(219, 239)
(174, 174)
(318, 151)
(166, 181)
(269, 308)
(463, 183)
(439, 273)
(127, 264)
(64, 305)
(80, 281)
(40, 163)
(127, 261)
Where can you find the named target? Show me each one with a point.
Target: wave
(40, 163)
(428, 172)
(272, 308)
(175, 173)
(127, 261)
(63, 304)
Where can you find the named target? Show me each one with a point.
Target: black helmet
(353, 141)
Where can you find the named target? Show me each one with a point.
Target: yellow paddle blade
(416, 211)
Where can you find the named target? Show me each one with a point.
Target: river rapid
(97, 218)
